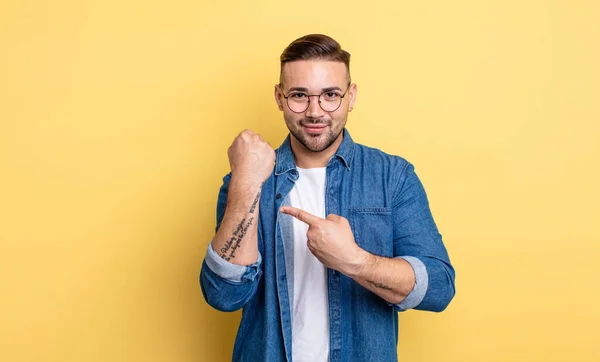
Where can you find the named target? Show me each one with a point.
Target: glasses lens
(330, 101)
(297, 104)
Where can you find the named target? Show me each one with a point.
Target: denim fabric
(387, 207)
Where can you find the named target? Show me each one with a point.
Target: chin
(318, 143)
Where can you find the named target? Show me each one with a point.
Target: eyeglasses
(329, 101)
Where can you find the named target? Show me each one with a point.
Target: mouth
(314, 128)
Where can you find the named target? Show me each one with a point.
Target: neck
(308, 159)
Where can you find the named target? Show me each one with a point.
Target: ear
(278, 97)
(352, 94)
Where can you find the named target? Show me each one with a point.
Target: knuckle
(245, 134)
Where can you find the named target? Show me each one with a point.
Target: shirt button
(294, 172)
(278, 196)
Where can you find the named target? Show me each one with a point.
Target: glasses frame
(319, 98)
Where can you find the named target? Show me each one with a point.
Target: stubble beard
(317, 142)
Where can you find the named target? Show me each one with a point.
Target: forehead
(314, 74)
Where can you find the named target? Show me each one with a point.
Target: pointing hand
(330, 240)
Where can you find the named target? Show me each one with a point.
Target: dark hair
(315, 46)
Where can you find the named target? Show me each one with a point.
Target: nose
(314, 109)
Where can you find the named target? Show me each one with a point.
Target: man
(322, 241)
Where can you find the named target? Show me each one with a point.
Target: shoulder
(376, 164)
(367, 156)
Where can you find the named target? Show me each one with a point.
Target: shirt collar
(285, 157)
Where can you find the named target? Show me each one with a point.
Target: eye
(297, 96)
(331, 95)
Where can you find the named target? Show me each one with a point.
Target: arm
(332, 242)
(391, 279)
(236, 240)
(418, 241)
(420, 276)
(232, 266)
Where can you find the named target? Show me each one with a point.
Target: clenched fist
(251, 158)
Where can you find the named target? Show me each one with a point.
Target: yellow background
(115, 120)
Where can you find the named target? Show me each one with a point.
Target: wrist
(359, 264)
(245, 183)
(242, 195)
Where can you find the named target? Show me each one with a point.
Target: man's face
(315, 129)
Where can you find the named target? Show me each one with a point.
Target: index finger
(301, 215)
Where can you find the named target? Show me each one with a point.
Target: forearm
(236, 241)
(392, 279)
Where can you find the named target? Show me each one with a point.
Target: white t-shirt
(310, 311)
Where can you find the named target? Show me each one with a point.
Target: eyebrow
(303, 89)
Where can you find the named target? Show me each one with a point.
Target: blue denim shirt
(386, 205)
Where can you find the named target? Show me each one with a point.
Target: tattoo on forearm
(379, 285)
(254, 203)
(231, 245)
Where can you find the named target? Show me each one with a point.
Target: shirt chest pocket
(372, 229)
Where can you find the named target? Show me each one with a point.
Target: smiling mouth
(314, 128)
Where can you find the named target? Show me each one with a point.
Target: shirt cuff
(230, 271)
(415, 297)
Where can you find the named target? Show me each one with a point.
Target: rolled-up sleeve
(230, 271)
(417, 240)
(415, 297)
